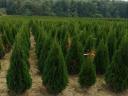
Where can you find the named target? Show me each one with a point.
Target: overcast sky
(123, 0)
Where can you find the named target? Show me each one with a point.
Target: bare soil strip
(5, 62)
(36, 78)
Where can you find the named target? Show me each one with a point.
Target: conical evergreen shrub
(55, 76)
(24, 38)
(102, 58)
(18, 77)
(87, 76)
(74, 57)
(117, 72)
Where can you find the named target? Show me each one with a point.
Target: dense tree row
(82, 8)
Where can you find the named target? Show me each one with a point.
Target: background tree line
(81, 8)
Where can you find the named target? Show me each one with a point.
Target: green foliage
(66, 44)
(39, 45)
(87, 76)
(44, 53)
(18, 80)
(74, 57)
(6, 41)
(102, 57)
(55, 76)
(112, 44)
(116, 75)
(8, 33)
(90, 43)
(2, 52)
(18, 77)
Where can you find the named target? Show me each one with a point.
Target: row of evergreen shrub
(75, 39)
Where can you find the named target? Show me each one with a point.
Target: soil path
(5, 62)
(36, 78)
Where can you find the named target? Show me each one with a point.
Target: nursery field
(59, 56)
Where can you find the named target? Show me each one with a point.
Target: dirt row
(4, 67)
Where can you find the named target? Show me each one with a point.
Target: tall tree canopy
(82, 8)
